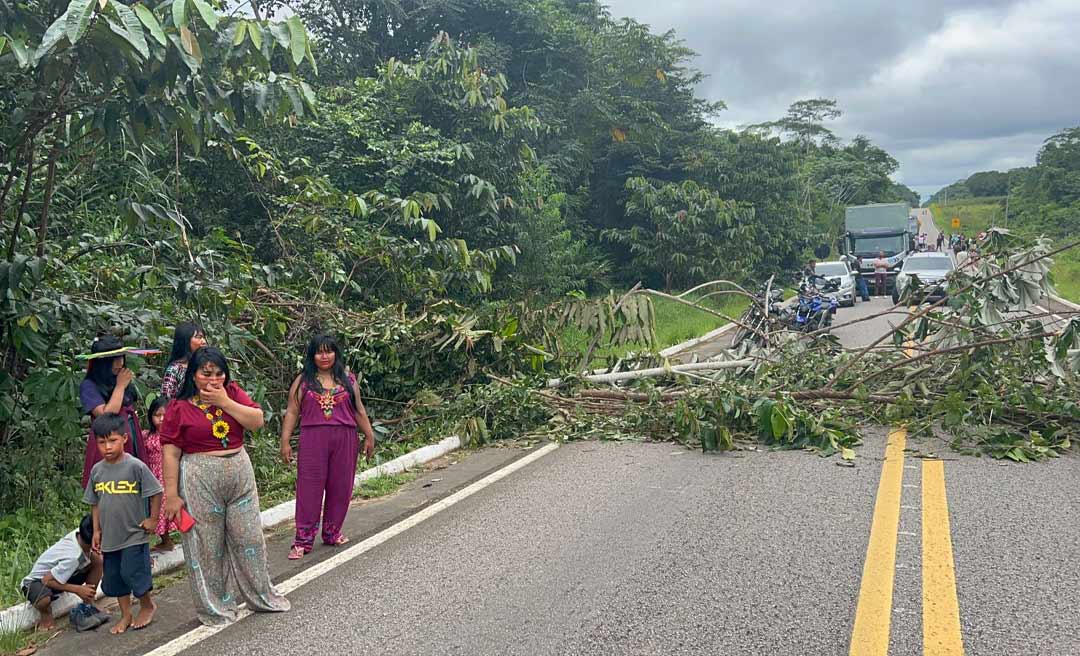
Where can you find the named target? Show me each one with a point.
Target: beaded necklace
(327, 400)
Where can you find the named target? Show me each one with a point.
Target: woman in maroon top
(207, 470)
(325, 398)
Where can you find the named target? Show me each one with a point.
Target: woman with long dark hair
(187, 338)
(108, 387)
(207, 470)
(325, 400)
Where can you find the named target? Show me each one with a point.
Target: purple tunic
(325, 465)
(313, 413)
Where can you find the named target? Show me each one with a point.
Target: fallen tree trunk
(656, 371)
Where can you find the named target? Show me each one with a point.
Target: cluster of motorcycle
(768, 315)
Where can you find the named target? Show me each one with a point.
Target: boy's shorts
(127, 571)
(35, 590)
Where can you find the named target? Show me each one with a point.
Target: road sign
(955, 223)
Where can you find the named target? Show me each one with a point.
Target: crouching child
(118, 488)
(70, 565)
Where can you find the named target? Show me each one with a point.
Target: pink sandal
(296, 553)
(338, 541)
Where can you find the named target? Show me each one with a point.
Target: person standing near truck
(861, 285)
(881, 272)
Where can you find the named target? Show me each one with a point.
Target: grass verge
(975, 214)
(14, 642)
(675, 324)
(380, 486)
(1066, 273)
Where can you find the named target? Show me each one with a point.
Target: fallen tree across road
(980, 366)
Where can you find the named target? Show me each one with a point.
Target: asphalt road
(627, 548)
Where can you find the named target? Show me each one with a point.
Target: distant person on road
(922, 241)
(325, 400)
(940, 240)
(862, 286)
(881, 273)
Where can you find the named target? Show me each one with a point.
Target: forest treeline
(424, 179)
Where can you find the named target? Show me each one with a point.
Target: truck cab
(879, 228)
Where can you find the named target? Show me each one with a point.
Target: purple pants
(325, 470)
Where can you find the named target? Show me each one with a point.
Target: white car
(839, 271)
(931, 270)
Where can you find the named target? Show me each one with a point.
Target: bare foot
(147, 608)
(46, 623)
(121, 626)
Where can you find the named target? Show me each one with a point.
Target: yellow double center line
(941, 611)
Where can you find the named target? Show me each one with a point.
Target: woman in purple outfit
(325, 399)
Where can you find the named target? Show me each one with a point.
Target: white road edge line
(196, 636)
(1047, 310)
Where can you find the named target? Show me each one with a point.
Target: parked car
(839, 272)
(931, 270)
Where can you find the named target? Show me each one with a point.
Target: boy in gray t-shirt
(117, 487)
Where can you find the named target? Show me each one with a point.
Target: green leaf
(281, 34)
(51, 37)
(21, 54)
(309, 93)
(179, 12)
(432, 228)
(133, 28)
(311, 59)
(255, 32)
(241, 32)
(294, 98)
(298, 36)
(780, 423)
(78, 18)
(151, 22)
(847, 454)
(207, 13)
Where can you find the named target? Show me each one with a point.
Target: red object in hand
(187, 522)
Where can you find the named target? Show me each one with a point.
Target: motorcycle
(816, 306)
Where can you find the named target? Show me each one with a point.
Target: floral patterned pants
(225, 550)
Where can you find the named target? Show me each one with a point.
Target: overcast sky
(948, 87)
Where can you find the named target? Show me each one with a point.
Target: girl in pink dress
(153, 461)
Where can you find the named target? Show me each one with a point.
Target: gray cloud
(947, 87)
